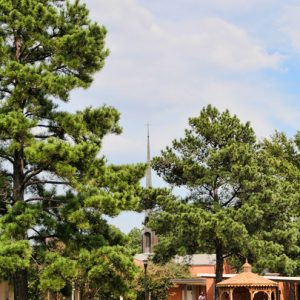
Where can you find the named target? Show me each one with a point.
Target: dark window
(148, 242)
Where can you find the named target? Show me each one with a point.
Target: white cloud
(177, 68)
(138, 40)
(238, 5)
(164, 71)
(224, 45)
(170, 67)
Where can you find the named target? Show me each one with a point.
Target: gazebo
(248, 286)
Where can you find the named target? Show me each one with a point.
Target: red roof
(247, 278)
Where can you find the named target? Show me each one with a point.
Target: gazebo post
(251, 293)
(231, 294)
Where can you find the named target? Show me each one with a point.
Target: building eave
(190, 281)
(274, 278)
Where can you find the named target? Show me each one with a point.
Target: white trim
(276, 278)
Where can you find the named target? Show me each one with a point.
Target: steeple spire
(148, 172)
(149, 238)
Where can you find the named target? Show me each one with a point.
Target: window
(147, 242)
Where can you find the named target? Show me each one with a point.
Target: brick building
(202, 269)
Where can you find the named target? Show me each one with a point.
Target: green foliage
(215, 162)
(56, 190)
(134, 242)
(14, 255)
(159, 279)
(237, 202)
(283, 167)
(58, 271)
(102, 269)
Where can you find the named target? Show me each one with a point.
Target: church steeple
(149, 239)
(148, 172)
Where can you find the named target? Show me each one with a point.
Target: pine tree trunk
(20, 278)
(20, 282)
(219, 267)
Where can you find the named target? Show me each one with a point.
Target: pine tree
(47, 49)
(283, 230)
(233, 196)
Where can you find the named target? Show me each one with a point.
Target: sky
(170, 58)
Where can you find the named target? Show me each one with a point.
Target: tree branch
(7, 158)
(5, 90)
(57, 216)
(30, 51)
(47, 182)
(41, 199)
(33, 172)
(43, 136)
(232, 197)
(41, 237)
(40, 58)
(47, 126)
(35, 199)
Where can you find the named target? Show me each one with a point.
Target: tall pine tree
(47, 49)
(234, 195)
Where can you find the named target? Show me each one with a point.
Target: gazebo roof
(247, 278)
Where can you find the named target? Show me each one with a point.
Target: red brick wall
(288, 291)
(175, 293)
(210, 282)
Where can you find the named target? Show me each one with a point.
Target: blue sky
(169, 58)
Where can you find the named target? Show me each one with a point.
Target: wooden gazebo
(248, 286)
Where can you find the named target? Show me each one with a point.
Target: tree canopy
(159, 279)
(58, 188)
(233, 196)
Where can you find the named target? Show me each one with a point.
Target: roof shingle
(247, 278)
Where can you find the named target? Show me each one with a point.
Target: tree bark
(219, 267)
(20, 281)
(20, 278)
